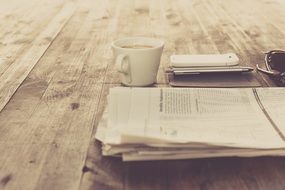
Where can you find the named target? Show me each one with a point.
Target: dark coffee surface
(137, 46)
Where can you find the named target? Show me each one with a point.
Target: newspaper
(179, 123)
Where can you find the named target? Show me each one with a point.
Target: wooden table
(56, 69)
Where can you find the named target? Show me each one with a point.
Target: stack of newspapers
(184, 123)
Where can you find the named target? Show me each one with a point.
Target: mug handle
(123, 66)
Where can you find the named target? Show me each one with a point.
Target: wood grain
(56, 69)
(18, 71)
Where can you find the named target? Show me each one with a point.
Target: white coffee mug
(137, 59)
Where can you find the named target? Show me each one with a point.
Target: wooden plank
(57, 129)
(91, 75)
(19, 28)
(28, 95)
(12, 125)
(16, 73)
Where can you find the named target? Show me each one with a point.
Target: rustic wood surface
(56, 69)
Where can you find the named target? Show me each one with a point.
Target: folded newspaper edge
(154, 123)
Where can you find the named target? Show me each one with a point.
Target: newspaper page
(225, 117)
(118, 115)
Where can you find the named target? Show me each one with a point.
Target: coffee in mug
(137, 59)
(137, 46)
